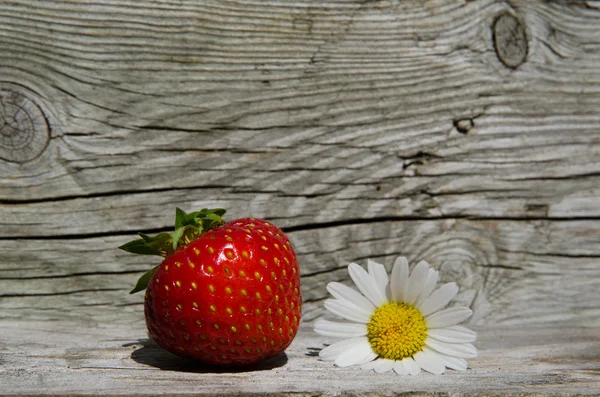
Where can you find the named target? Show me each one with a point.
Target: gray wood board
(115, 359)
(364, 129)
(509, 272)
(465, 133)
(305, 112)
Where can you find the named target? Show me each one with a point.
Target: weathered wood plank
(329, 99)
(460, 184)
(509, 272)
(69, 358)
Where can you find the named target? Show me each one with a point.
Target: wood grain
(111, 359)
(509, 272)
(322, 118)
(465, 133)
(331, 99)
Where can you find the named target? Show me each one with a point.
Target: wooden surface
(465, 133)
(67, 357)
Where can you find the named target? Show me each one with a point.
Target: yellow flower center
(396, 331)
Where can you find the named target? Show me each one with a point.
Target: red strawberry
(225, 293)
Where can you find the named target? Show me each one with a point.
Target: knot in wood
(463, 126)
(510, 40)
(24, 131)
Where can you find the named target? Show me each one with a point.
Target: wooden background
(465, 133)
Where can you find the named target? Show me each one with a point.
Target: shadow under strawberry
(151, 354)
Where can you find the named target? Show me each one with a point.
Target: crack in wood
(319, 272)
(72, 275)
(312, 226)
(552, 254)
(499, 266)
(555, 177)
(106, 194)
(95, 290)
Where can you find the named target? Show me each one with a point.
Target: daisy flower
(396, 323)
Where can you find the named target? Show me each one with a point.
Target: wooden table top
(40, 358)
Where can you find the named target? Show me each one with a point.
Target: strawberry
(224, 294)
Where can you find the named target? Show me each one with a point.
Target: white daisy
(398, 324)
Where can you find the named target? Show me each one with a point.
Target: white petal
(399, 281)
(331, 352)
(460, 350)
(384, 365)
(416, 282)
(360, 354)
(455, 363)
(345, 309)
(399, 368)
(367, 285)
(454, 334)
(430, 362)
(430, 282)
(370, 365)
(460, 328)
(448, 317)
(439, 299)
(377, 271)
(411, 366)
(341, 291)
(339, 330)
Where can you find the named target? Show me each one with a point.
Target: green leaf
(198, 214)
(176, 236)
(162, 242)
(145, 237)
(140, 247)
(143, 281)
(219, 211)
(160, 245)
(212, 218)
(180, 218)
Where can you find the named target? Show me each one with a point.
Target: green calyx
(187, 228)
